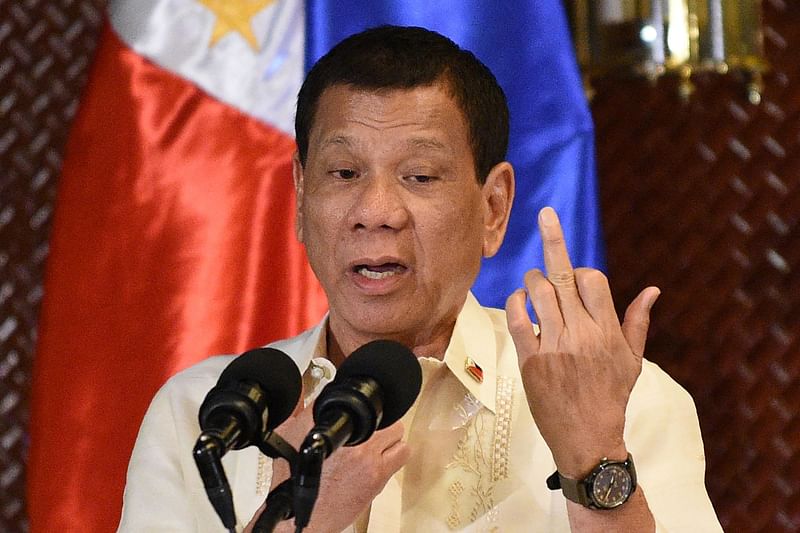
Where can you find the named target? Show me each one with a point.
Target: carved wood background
(45, 48)
(702, 200)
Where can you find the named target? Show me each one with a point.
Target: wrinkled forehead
(392, 127)
(442, 83)
(423, 116)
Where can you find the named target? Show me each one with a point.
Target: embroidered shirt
(478, 462)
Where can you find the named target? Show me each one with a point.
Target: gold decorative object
(473, 369)
(652, 38)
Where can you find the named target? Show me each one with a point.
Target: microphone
(255, 393)
(373, 388)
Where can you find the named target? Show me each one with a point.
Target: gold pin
(473, 369)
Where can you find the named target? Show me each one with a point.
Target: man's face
(391, 213)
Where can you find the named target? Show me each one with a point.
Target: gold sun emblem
(235, 16)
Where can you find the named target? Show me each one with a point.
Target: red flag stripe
(173, 240)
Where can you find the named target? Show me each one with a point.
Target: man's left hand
(579, 371)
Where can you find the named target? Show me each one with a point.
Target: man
(402, 188)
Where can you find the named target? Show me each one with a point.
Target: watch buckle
(554, 481)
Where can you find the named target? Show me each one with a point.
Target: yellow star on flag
(235, 16)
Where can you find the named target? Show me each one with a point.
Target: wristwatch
(609, 485)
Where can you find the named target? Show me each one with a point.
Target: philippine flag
(173, 235)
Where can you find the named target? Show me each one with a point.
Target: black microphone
(255, 393)
(373, 388)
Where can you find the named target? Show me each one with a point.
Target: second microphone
(373, 388)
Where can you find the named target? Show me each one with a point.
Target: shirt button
(317, 372)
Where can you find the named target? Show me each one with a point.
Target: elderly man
(402, 189)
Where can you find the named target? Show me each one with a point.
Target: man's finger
(520, 326)
(396, 455)
(546, 306)
(389, 435)
(637, 319)
(596, 296)
(559, 267)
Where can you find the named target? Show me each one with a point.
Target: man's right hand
(351, 477)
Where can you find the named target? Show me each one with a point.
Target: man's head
(390, 207)
(392, 57)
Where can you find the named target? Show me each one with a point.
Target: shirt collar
(311, 358)
(472, 344)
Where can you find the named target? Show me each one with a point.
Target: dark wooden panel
(703, 200)
(45, 48)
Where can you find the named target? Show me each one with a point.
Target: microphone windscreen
(396, 370)
(276, 374)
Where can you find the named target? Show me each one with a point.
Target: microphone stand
(208, 458)
(279, 508)
(307, 478)
(274, 446)
(280, 500)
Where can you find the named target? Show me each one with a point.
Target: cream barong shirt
(478, 462)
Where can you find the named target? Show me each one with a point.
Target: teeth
(375, 275)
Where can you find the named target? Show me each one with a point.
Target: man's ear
(297, 176)
(498, 195)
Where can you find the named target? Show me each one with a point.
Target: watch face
(612, 486)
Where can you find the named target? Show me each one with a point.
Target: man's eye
(344, 173)
(421, 178)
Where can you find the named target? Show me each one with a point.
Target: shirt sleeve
(662, 434)
(155, 496)
(163, 490)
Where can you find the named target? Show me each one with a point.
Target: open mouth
(381, 271)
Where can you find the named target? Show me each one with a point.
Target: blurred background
(699, 196)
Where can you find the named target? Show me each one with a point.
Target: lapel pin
(473, 369)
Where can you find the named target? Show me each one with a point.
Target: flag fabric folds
(173, 240)
(173, 234)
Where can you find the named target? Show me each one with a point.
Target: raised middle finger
(559, 267)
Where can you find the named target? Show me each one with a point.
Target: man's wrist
(609, 485)
(580, 462)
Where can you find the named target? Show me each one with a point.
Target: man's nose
(381, 204)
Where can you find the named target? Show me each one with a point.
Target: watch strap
(579, 490)
(573, 489)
